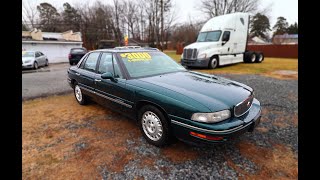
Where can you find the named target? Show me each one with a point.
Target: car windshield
(77, 50)
(139, 64)
(27, 54)
(209, 36)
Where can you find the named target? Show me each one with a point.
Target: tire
(213, 63)
(260, 57)
(35, 65)
(80, 97)
(70, 63)
(47, 63)
(154, 126)
(250, 57)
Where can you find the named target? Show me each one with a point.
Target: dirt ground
(63, 140)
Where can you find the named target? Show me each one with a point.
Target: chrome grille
(243, 106)
(190, 54)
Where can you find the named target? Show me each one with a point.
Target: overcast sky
(188, 8)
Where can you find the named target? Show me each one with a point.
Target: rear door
(86, 74)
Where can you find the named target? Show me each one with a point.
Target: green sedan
(163, 97)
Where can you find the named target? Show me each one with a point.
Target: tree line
(149, 21)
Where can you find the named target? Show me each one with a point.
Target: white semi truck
(221, 41)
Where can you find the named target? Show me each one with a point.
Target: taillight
(69, 56)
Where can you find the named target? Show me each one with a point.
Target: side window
(91, 62)
(106, 65)
(226, 36)
(37, 54)
(81, 62)
(40, 53)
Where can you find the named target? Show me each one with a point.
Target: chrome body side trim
(106, 97)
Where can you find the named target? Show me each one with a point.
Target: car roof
(126, 49)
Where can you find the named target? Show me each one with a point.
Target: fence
(272, 50)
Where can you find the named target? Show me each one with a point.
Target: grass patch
(266, 68)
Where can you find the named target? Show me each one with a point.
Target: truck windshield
(209, 36)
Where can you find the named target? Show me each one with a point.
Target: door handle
(97, 80)
(78, 74)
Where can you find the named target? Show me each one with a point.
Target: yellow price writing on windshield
(134, 57)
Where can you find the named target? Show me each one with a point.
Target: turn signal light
(202, 136)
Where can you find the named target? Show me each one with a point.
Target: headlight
(204, 55)
(27, 61)
(211, 117)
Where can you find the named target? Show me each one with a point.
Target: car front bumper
(199, 133)
(27, 65)
(195, 63)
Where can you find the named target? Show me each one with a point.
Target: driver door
(112, 92)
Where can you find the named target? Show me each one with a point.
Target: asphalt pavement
(45, 81)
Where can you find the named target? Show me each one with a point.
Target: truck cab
(222, 40)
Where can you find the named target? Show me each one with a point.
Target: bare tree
(130, 16)
(29, 14)
(117, 13)
(214, 8)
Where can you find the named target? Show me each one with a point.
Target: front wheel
(154, 126)
(35, 65)
(213, 63)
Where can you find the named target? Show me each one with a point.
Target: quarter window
(91, 62)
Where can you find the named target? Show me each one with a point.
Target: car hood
(27, 58)
(216, 93)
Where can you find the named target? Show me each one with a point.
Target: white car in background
(33, 59)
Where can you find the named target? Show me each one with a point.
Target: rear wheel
(249, 57)
(213, 63)
(253, 57)
(259, 58)
(154, 126)
(81, 98)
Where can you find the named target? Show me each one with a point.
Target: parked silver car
(34, 59)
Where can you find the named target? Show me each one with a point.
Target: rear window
(78, 50)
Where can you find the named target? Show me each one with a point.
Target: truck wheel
(249, 57)
(260, 57)
(252, 57)
(213, 63)
(154, 126)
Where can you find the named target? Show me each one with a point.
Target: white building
(56, 46)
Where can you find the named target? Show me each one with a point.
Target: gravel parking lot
(63, 140)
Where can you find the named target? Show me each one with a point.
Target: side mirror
(108, 75)
(223, 43)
